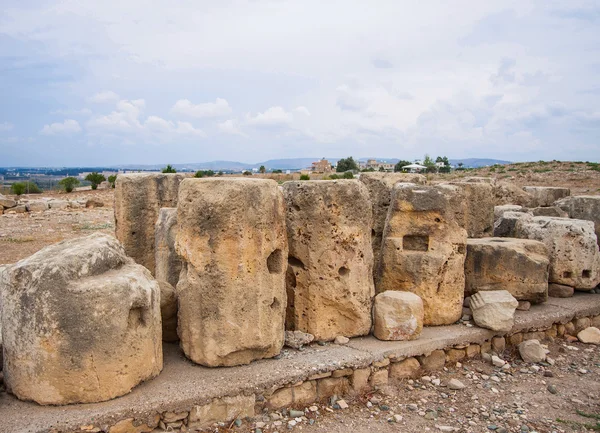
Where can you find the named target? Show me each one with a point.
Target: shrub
(346, 164)
(169, 169)
(277, 171)
(334, 176)
(348, 175)
(27, 187)
(220, 173)
(69, 183)
(304, 177)
(204, 173)
(247, 173)
(95, 179)
(262, 169)
(112, 179)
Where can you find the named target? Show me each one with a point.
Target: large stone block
(329, 278)
(542, 196)
(380, 189)
(232, 240)
(397, 316)
(477, 211)
(167, 261)
(506, 224)
(519, 266)
(424, 249)
(81, 323)
(572, 248)
(494, 310)
(500, 210)
(509, 193)
(138, 199)
(583, 207)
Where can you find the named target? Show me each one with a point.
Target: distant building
(322, 166)
(378, 165)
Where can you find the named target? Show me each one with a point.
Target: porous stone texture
(397, 316)
(329, 276)
(560, 291)
(138, 200)
(572, 248)
(519, 266)
(551, 211)
(494, 310)
(434, 361)
(542, 196)
(168, 311)
(380, 187)
(532, 351)
(590, 335)
(167, 261)
(297, 339)
(506, 225)
(478, 208)
(81, 323)
(232, 240)
(500, 210)
(509, 193)
(406, 369)
(583, 207)
(424, 249)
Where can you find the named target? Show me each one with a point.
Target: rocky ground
(562, 397)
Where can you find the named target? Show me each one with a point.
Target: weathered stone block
(477, 213)
(167, 261)
(221, 410)
(434, 361)
(560, 291)
(509, 193)
(379, 378)
(500, 210)
(397, 316)
(519, 266)
(542, 196)
(583, 207)
(572, 248)
(424, 250)
(329, 278)
(232, 241)
(283, 397)
(360, 379)
(406, 369)
(506, 225)
(305, 393)
(494, 310)
(551, 211)
(138, 200)
(59, 345)
(332, 386)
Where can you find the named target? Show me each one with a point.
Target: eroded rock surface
(542, 196)
(494, 310)
(167, 261)
(583, 207)
(397, 316)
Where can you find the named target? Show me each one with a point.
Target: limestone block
(379, 378)
(380, 187)
(138, 200)
(329, 278)
(478, 208)
(332, 386)
(424, 249)
(168, 312)
(494, 310)
(360, 379)
(509, 193)
(406, 369)
(232, 241)
(572, 248)
(582, 207)
(397, 316)
(58, 204)
(532, 351)
(551, 211)
(542, 196)
(560, 291)
(37, 206)
(434, 361)
(589, 335)
(519, 266)
(167, 261)
(81, 323)
(506, 225)
(221, 410)
(6, 202)
(500, 210)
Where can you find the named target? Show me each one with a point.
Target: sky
(110, 82)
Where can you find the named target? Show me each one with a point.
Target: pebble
(397, 418)
(340, 339)
(552, 389)
(238, 422)
(296, 413)
(456, 384)
(342, 404)
(497, 361)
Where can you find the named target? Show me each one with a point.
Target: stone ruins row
(233, 268)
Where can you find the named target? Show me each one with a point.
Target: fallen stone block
(37, 206)
(542, 196)
(519, 266)
(232, 241)
(572, 248)
(59, 346)
(551, 211)
(589, 335)
(59, 204)
(582, 207)
(167, 261)
(560, 291)
(138, 200)
(424, 249)
(494, 310)
(531, 351)
(6, 202)
(397, 316)
(329, 276)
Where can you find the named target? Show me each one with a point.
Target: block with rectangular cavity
(583, 207)
(232, 240)
(81, 323)
(572, 248)
(380, 190)
(542, 196)
(138, 200)
(167, 261)
(329, 278)
(423, 249)
(519, 266)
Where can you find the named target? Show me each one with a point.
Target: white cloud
(6, 126)
(159, 125)
(303, 110)
(69, 126)
(230, 126)
(218, 108)
(74, 112)
(104, 97)
(273, 116)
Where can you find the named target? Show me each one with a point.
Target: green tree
(348, 175)
(27, 187)
(69, 183)
(18, 188)
(247, 173)
(95, 178)
(334, 176)
(429, 164)
(346, 164)
(169, 169)
(400, 164)
(304, 177)
(277, 171)
(220, 173)
(204, 173)
(262, 169)
(112, 179)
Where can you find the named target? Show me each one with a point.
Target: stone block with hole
(232, 242)
(572, 248)
(519, 266)
(424, 248)
(81, 323)
(329, 278)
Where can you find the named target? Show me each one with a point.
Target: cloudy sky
(87, 82)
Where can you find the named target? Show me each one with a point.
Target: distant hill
(478, 162)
